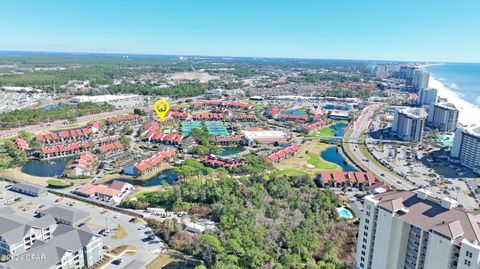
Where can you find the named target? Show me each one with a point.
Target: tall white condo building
(426, 96)
(466, 147)
(443, 116)
(408, 123)
(412, 230)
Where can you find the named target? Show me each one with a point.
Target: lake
(338, 128)
(332, 155)
(46, 168)
(167, 175)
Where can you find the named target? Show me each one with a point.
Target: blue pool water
(50, 106)
(344, 213)
(333, 156)
(294, 112)
(227, 151)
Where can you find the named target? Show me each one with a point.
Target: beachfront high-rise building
(383, 70)
(443, 116)
(426, 96)
(420, 79)
(408, 123)
(411, 229)
(466, 147)
(407, 72)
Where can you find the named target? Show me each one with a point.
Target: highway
(358, 128)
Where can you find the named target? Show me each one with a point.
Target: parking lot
(132, 234)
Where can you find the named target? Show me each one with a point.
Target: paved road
(358, 128)
(60, 123)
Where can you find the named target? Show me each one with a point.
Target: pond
(50, 106)
(46, 168)
(332, 155)
(227, 151)
(338, 128)
(178, 265)
(167, 175)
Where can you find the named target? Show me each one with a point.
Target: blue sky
(423, 30)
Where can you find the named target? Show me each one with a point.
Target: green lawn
(315, 160)
(6, 139)
(293, 172)
(326, 131)
(53, 183)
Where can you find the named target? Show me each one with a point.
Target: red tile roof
(293, 117)
(154, 160)
(21, 143)
(123, 118)
(277, 155)
(110, 146)
(313, 126)
(223, 104)
(354, 177)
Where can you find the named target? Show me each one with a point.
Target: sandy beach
(468, 112)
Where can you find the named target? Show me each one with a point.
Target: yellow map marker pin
(161, 107)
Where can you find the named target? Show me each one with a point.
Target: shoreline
(468, 112)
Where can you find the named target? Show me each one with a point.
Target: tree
(125, 141)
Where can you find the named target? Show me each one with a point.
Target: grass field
(307, 161)
(315, 160)
(294, 172)
(326, 131)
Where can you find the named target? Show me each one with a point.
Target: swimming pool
(344, 213)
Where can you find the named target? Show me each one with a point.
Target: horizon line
(215, 56)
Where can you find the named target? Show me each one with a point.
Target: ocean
(463, 79)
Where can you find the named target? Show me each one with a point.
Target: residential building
(411, 229)
(122, 120)
(443, 116)
(341, 179)
(29, 189)
(263, 137)
(110, 148)
(466, 147)
(215, 161)
(62, 150)
(68, 248)
(426, 96)
(282, 154)
(153, 162)
(116, 192)
(17, 234)
(83, 165)
(64, 215)
(408, 123)
(229, 141)
(420, 79)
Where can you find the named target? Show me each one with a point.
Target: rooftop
(429, 213)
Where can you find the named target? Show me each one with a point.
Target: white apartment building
(408, 123)
(412, 230)
(443, 116)
(426, 96)
(420, 79)
(466, 147)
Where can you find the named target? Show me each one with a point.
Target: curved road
(358, 128)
